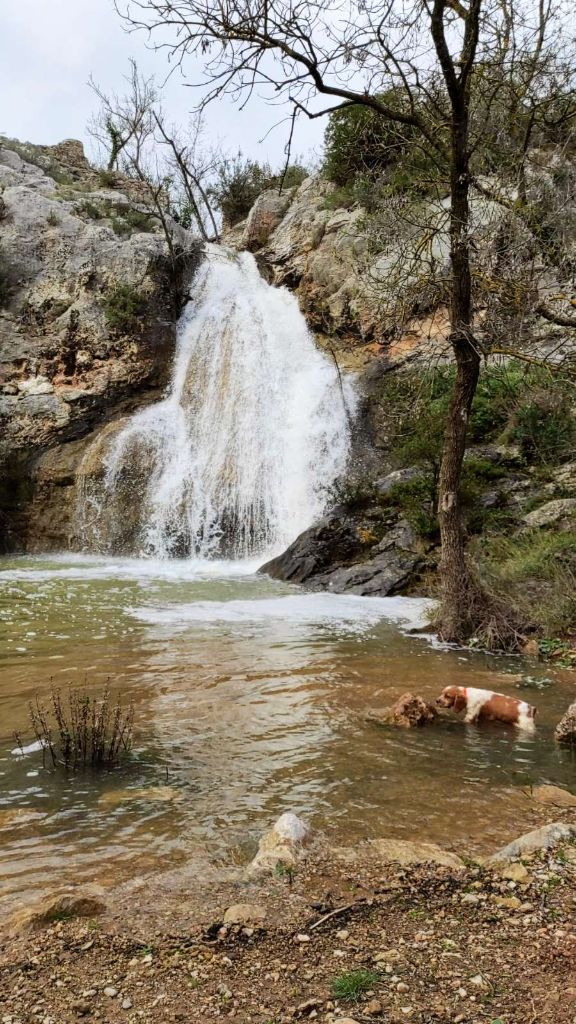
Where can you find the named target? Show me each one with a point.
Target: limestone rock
(282, 845)
(553, 795)
(264, 218)
(565, 731)
(385, 574)
(331, 540)
(398, 476)
(66, 369)
(551, 512)
(56, 907)
(408, 712)
(248, 915)
(544, 838)
(402, 851)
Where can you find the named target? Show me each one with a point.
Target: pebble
(126, 1004)
(302, 938)
(373, 1007)
(470, 897)
(342, 934)
(402, 987)
(110, 991)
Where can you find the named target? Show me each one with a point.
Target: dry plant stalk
(89, 731)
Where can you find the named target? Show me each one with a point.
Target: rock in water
(553, 795)
(282, 845)
(565, 731)
(408, 712)
(56, 907)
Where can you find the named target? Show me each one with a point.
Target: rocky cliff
(88, 301)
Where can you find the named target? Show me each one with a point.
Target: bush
(123, 308)
(107, 178)
(132, 220)
(350, 985)
(84, 732)
(545, 429)
(372, 157)
(240, 181)
(53, 219)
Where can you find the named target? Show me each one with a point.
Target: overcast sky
(48, 50)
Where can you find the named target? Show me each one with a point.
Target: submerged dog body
(489, 706)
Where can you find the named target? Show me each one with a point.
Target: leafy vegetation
(239, 182)
(124, 306)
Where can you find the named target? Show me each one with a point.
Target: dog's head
(452, 697)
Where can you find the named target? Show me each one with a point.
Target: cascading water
(236, 459)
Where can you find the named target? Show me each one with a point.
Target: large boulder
(342, 553)
(551, 512)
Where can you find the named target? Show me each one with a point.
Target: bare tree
(124, 122)
(138, 141)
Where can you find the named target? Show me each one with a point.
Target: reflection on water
(249, 701)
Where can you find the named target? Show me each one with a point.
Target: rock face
(551, 512)
(343, 554)
(565, 731)
(88, 302)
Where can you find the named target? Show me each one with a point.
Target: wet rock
(19, 816)
(408, 712)
(245, 915)
(328, 542)
(544, 838)
(565, 731)
(402, 851)
(553, 795)
(153, 794)
(56, 907)
(551, 512)
(387, 573)
(282, 845)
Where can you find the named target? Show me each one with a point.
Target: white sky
(48, 50)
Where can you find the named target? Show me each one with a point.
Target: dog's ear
(460, 702)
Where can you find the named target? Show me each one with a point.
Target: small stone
(508, 902)
(402, 987)
(302, 938)
(342, 934)
(374, 1007)
(110, 991)
(246, 914)
(515, 872)
(126, 1004)
(470, 897)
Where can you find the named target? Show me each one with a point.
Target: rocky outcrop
(544, 838)
(88, 301)
(347, 553)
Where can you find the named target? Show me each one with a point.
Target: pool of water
(250, 698)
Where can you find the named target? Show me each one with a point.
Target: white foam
(308, 609)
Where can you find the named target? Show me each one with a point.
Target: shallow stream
(249, 698)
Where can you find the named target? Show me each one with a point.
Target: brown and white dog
(489, 706)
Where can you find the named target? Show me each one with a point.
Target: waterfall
(236, 459)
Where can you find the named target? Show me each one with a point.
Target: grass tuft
(349, 986)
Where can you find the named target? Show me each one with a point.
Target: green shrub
(92, 211)
(240, 181)
(107, 178)
(545, 429)
(416, 500)
(53, 219)
(124, 306)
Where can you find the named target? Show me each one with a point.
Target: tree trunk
(460, 592)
